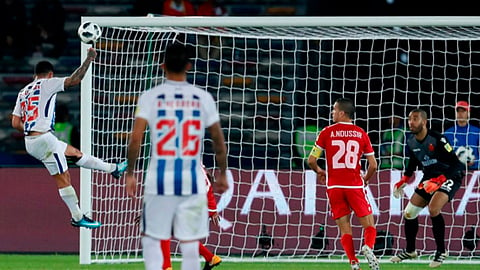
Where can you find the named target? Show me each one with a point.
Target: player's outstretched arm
(79, 73)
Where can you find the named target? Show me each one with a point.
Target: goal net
(274, 81)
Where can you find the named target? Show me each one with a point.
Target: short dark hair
(422, 113)
(43, 67)
(176, 57)
(346, 105)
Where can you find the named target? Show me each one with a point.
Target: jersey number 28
(349, 152)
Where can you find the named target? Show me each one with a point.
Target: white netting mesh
(274, 89)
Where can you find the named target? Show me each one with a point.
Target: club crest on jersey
(431, 148)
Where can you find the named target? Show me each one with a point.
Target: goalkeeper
(431, 152)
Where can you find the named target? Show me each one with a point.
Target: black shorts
(450, 187)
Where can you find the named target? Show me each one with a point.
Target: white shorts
(184, 216)
(48, 149)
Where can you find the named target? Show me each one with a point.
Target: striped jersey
(344, 144)
(36, 104)
(177, 114)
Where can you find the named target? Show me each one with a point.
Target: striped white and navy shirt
(36, 104)
(178, 114)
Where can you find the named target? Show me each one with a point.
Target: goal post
(274, 80)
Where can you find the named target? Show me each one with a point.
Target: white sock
(190, 255)
(152, 253)
(91, 162)
(69, 196)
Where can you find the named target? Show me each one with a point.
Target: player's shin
(90, 162)
(152, 253)
(370, 236)
(438, 228)
(347, 243)
(190, 255)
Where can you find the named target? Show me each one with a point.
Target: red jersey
(171, 8)
(208, 9)
(344, 144)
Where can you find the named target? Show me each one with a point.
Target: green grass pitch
(71, 262)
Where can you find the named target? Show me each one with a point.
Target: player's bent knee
(411, 211)
(74, 159)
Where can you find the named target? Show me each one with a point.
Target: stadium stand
(15, 73)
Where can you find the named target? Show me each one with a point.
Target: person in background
(391, 147)
(178, 8)
(34, 116)
(211, 8)
(443, 173)
(344, 145)
(465, 137)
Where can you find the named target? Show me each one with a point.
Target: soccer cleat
(371, 258)
(438, 260)
(120, 168)
(214, 262)
(355, 265)
(86, 222)
(403, 256)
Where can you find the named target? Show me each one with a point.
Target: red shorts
(344, 200)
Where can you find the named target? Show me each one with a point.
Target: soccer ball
(465, 154)
(89, 32)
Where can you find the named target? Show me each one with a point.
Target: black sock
(438, 228)
(411, 229)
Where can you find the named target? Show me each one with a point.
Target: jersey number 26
(181, 141)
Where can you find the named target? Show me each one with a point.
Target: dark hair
(176, 58)
(422, 113)
(346, 105)
(43, 67)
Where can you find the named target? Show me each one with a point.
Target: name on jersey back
(180, 103)
(346, 133)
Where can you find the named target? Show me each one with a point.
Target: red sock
(205, 252)
(347, 243)
(370, 236)
(165, 244)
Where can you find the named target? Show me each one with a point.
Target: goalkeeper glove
(398, 188)
(433, 184)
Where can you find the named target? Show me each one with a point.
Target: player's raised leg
(90, 162)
